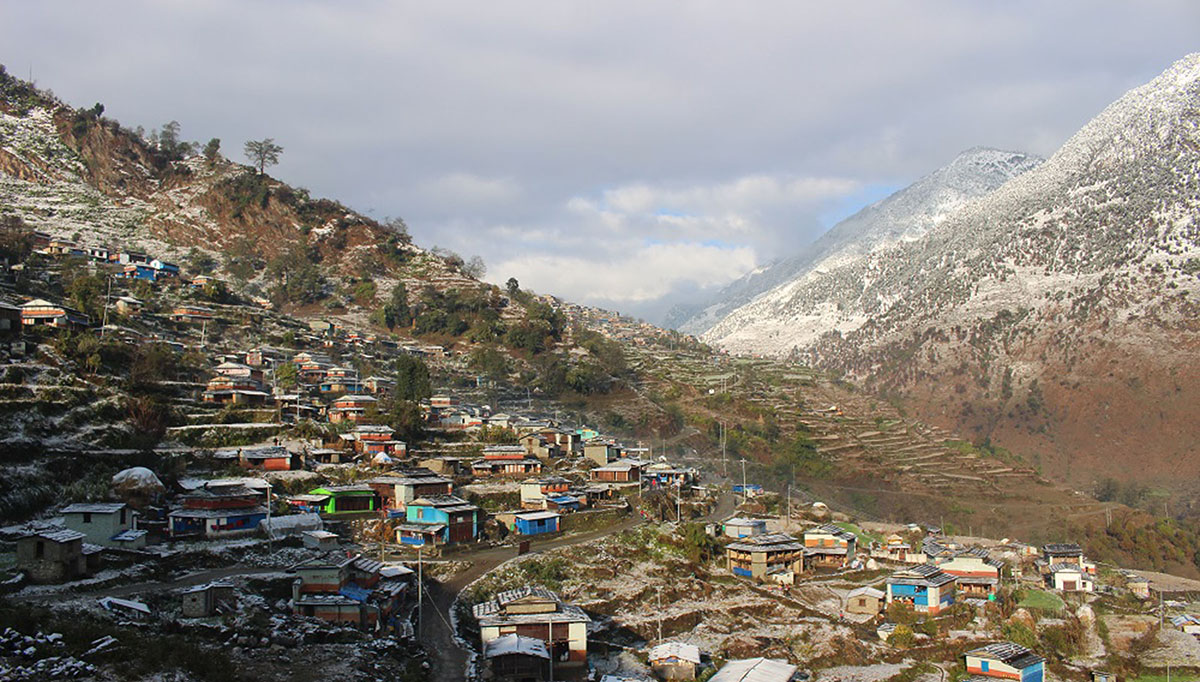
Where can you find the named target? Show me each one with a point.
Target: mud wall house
(517, 658)
(42, 313)
(1005, 661)
(226, 390)
(352, 408)
(10, 320)
(108, 524)
(535, 491)
(621, 471)
(601, 452)
(538, 613)
(191, 313)
(268, 458)
(828, 546)
(925, 587)
(763, 555)
(53, 555)
(217, 511)
(376, 439)
(977, 575)
(674, 660)
(865, 601)
(203, 601)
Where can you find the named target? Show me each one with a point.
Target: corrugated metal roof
(755, 670)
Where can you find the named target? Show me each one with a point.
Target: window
(122, 516)
(87, 517)
(40, 550)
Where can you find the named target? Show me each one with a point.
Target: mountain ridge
(1086, 262)
(904, 215)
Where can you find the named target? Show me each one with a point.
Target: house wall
(58, 563)
(676, 670)
(977, 665)
(99, 528)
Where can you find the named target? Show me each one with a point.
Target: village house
(865, 601)
(828, 546)
(42, 313)
(261, 458)
(507, 460)
(674, 660)
(342, 499)
(263, 357)
(601, 451)
(190, 313)
(1007, 661)
(622, 471)
(439, 520)
(321, 540)
(127, 257)
(894, 548)
(128, 306)
(203, 601)
(108, 524)
(924, 586)
(141, 271)
(164, 269)
(739, 527)
(1138, 585)
(517, 659)
(538, 613)
(379, 385)
(976, 575)
(535, 491)
(352, 408)
(664, 475)
(227, 390)
(397, 489)
(239, 371)
(755, 670)
(1063, 567)
(217, 511)
(377, 439)
(55, 555)
(539, 446)
(201, 281)
(531, 522)
(761, 556)
(354, 590)
(10, 320)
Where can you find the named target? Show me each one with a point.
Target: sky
(629, 155)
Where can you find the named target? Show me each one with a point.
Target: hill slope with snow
(904, 216)
(1057, 314)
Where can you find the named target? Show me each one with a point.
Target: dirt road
(448, 659)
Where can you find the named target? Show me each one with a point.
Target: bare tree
(475, 268)
(263, 153)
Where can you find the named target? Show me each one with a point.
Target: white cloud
(457, 189)
(645, 272)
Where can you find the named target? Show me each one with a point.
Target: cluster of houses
(530, 633)
(930, 580)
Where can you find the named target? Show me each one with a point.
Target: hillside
(902, 217)
(1056, 316)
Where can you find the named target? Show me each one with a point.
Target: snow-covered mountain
(904, 216)
(1059, 312)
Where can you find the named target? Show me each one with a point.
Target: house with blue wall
(440, 519)
(1005, 661)
(536, 522)
(140, 271)
(927, 588)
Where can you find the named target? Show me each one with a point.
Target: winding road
(447, 658)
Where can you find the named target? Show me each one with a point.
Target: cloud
(533, 129)
(645, 273)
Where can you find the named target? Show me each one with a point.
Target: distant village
(358, 520)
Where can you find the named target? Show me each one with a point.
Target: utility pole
(659, 594)
(724, 466)
(420, 589)
(107, 297)
(550, 644)
(270, 531)
(745, 495)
